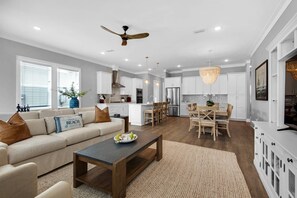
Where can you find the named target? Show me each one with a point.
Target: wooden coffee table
(116, 164)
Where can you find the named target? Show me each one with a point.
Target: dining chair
(207, 118)
(193, 116)
(223, 122)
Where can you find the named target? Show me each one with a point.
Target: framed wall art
(261, 81)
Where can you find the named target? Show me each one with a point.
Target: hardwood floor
(241, 143)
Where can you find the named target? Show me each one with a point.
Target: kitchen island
(136, 113)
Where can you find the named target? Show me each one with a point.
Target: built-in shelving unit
(282, 48)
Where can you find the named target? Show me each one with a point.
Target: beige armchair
(21, 181)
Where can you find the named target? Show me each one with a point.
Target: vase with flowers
(73, 95)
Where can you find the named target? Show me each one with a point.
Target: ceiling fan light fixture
(209, 74)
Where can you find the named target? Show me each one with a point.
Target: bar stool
(152, 115)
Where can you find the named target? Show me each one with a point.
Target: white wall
(9, 50)
(260, 109)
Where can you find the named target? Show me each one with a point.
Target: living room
(146, 73)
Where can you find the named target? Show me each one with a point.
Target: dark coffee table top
(109, 152)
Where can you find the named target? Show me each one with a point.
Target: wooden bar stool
(152, 115)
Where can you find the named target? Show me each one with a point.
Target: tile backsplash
(201, 99)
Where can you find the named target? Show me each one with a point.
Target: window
(65, 80)
(39, 83)
(35, 83)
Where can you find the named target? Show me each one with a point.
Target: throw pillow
(14, 130)
(65, 123)
(102, 115)
(50, 124)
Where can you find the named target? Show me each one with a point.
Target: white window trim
(55, 67)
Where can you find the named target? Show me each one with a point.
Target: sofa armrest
(119, 120)
(20, 181)
(60, 190)
(3, 156)
(2, 144)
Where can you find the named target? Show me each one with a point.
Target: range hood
(115, 79)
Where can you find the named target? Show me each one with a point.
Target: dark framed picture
(261, 81)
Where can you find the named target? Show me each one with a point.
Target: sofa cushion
(77, 110)
(87, 116)
(14, 130)
(106, 127)
(74, 136)
(33, 147)
(50, 124)
(65, 123)
(65, 111)
(30, 115)
(36, 126)
(48, 113)
(102, 115)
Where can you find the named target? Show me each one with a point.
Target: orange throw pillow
(102, 115)
(14, 130)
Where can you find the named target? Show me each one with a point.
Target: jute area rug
(184, 171)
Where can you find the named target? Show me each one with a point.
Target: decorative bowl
(125, 137)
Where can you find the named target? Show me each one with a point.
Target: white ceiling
(73, 27)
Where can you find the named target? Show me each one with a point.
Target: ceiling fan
(125, 36)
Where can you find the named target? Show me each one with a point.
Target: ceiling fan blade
(104, 28)
(137, 36)
(124, 42)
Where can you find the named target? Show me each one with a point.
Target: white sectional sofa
(50, 150)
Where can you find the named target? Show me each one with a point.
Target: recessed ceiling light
(139, 65)
(150, 69)
(126, 59)
(37, 28)
(102, 53)
(250, 66)
(217, 28)
(178, 66)
(226, 60)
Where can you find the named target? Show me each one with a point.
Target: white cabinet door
(189, 86)
(183, 110)
(199, 85)
(173, 82)
(206, 89)
(237, 94)
(127, 82)
(104, 81)
(223, 84)
(215, 87)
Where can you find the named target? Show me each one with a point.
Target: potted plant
(73, 95)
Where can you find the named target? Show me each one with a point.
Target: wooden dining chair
(223, 123)
(207, 118)
(193, 116)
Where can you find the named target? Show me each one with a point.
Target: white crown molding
(222, 66)
(270, 25)
(176, 72)
(146, 72)
(287, 29)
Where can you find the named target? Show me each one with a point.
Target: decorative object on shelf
(209, 74)
(261, 81)
(73, 95)
(23, 108)
(209, 102)
(292, 68)
(101, 98)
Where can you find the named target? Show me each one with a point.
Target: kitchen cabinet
(275, 159)
(189, 85)
(104, 83)
(195, 86)
(184, 110)
(116, 108)
(237, 95)
(173, 82)
(127, 82)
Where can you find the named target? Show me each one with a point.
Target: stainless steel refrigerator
(173, 97)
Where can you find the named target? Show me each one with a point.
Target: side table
(126, 118)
